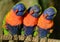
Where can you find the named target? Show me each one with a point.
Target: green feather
(46, 3)
(35, 32)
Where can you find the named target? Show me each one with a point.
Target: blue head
(51, 12)
(20, 9)
(36, 9)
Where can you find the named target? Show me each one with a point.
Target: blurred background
(6, 5)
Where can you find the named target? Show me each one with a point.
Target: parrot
(29, 4)
(13, 20)
(30, 20)
(45, 21)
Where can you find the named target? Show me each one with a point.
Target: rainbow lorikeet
(30, 21)
(45, 22)
(14, 19)
(29, 4)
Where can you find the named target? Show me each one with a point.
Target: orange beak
(31, 12)
(16, 11)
